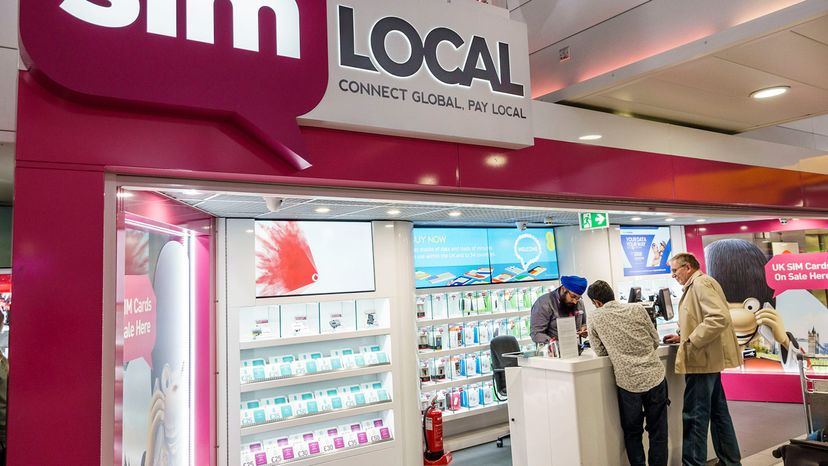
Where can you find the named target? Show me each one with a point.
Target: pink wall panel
(693, 234)
(369, 158)
(565, 168)
(706, 181)
(55, 373)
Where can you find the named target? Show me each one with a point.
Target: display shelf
(475, 437)
(361, 450)
(455, 383)
(463, 350)
(276, 342)
(323, 417)
(466, 412)
(303, 379)
(472, 318)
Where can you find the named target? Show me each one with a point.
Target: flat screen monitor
(472, 256)
(635, 295)
(304, 258)
(664, 304)
(522, 255)
(451, 257)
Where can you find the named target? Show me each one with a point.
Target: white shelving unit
(243, 316)
(468, 431)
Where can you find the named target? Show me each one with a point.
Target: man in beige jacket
(707, 345)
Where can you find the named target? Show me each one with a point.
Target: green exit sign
(594, 220)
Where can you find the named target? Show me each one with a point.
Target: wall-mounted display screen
(646, 250)
(471, 256)
(522, 255)
(450, 256)
(304, 258)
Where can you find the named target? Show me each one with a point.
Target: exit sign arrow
(594, 220)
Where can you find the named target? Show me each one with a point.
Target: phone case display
(315, 441)
(454, 330)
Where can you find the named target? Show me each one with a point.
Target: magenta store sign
(262, 68)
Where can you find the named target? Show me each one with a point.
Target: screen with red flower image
(303, 258)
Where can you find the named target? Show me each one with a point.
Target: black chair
(499, 346)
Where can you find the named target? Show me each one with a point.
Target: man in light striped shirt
(625, 333)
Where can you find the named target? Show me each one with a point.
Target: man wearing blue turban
(564, 301)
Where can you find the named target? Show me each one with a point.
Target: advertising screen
(646, 250)
(304, 258)
(471, 256)
(522, 255)
(450, 257)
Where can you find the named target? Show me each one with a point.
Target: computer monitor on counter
(635, 295)
(664, 304)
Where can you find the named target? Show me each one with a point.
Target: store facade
(93, 119)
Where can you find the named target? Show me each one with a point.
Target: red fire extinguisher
(433, 436)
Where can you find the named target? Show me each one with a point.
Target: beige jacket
(708, 342)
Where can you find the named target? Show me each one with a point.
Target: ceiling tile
(816, 30)
(786, 54)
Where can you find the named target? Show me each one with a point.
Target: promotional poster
(304, 258)
(154, 315)
(646, 250)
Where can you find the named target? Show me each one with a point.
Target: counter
(564, 412)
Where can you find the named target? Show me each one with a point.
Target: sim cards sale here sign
(434, 70)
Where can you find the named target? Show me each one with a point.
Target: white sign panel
(427, 69)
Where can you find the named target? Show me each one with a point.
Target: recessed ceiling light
(124, 194)
(635, 219)
(390, 225)
(769, 92)
(321, 210)
(743, 227)
(192, 192)
(669, 219)
(205, 227)
(393, 212)
(701, 220)
(702, 229)
(455, 213)
(590, 137)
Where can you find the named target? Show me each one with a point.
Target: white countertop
(585, 362)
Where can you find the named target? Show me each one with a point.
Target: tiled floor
(760, 427)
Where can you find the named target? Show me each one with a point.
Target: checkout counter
(564, 412)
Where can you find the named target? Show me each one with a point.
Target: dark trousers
(705, 405)
(635, 408)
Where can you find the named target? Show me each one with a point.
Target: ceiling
(706, 82)
(239, 205)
